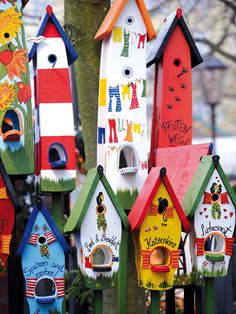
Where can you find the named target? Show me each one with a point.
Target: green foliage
(53, 186)
(150, 285)
(75, 289)
(184, 279)
(127, 198)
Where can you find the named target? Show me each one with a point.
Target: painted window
(101, 258)
(57, 156)
(214, 243)
(11, 129)
(127, 160)
(160, 259)
(45, 290)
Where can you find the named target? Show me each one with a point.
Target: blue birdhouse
(42, 250)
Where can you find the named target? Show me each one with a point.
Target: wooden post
(57, 209)
(123, 274)
(170, 301)
(209, 296)
(98, 305)
(188, 300)
(155, 302)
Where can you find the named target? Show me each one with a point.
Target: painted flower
(6, 95)
(10, 24)
(18, 64)
(24, 92)
(204, 264)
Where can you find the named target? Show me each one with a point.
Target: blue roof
(39, 206)
(71, 53)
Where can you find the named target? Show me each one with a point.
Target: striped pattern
(207, 198)
(200, 246)
(3, 194)
(224, 198)
(60, 284)
(50, 237)
(153, 210)
(170, 212)
(6, 239)
(33, 239)
(145, 259)
(175, 258)
(31, 283)
(229, 246)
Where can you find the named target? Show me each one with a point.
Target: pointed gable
(147, 194)
(199, 183)
(27, 237)
(115, 11)
(164, 35)
(92, 179)
(181, 163)
(55, 30)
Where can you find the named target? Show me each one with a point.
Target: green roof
(85, 196)
(199, 183)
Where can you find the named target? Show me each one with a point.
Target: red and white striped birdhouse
(52, 54)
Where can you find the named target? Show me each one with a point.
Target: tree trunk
(82, 20)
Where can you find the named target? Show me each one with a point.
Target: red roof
(115, 11)
(141, 206)
(181, 163)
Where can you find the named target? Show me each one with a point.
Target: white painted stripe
(58, 175)
(56, 119)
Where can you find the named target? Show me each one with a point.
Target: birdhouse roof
(39, 206)
(50, 17)
(142, 204)
(199, 183)
(86, 194)
(163, 37)
(9, 187)
(114, 13)
(181, 163)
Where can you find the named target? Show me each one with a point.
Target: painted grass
(101, 282)
(127, 198)
(20, 162)
(47, 185)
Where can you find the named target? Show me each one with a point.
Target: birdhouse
(52, 54)
(16, 130)
(97, 221)
(174, 54)
(8, 204)
(156, 219)
(122, 135)
(210, 203)
(181, 163)
(42, 250)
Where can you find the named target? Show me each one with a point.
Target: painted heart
(231, 214)
(206, 216)
(225, 210)
(201, 213)
(225, 217)
(205, 209)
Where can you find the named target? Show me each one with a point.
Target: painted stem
(155, 302)
(98, 305)
(209, 298)
(123, 274)
(57, 208)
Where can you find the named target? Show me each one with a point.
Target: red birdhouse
(8, 204)
(174, 54)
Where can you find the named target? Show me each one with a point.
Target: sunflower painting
(16, 130)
